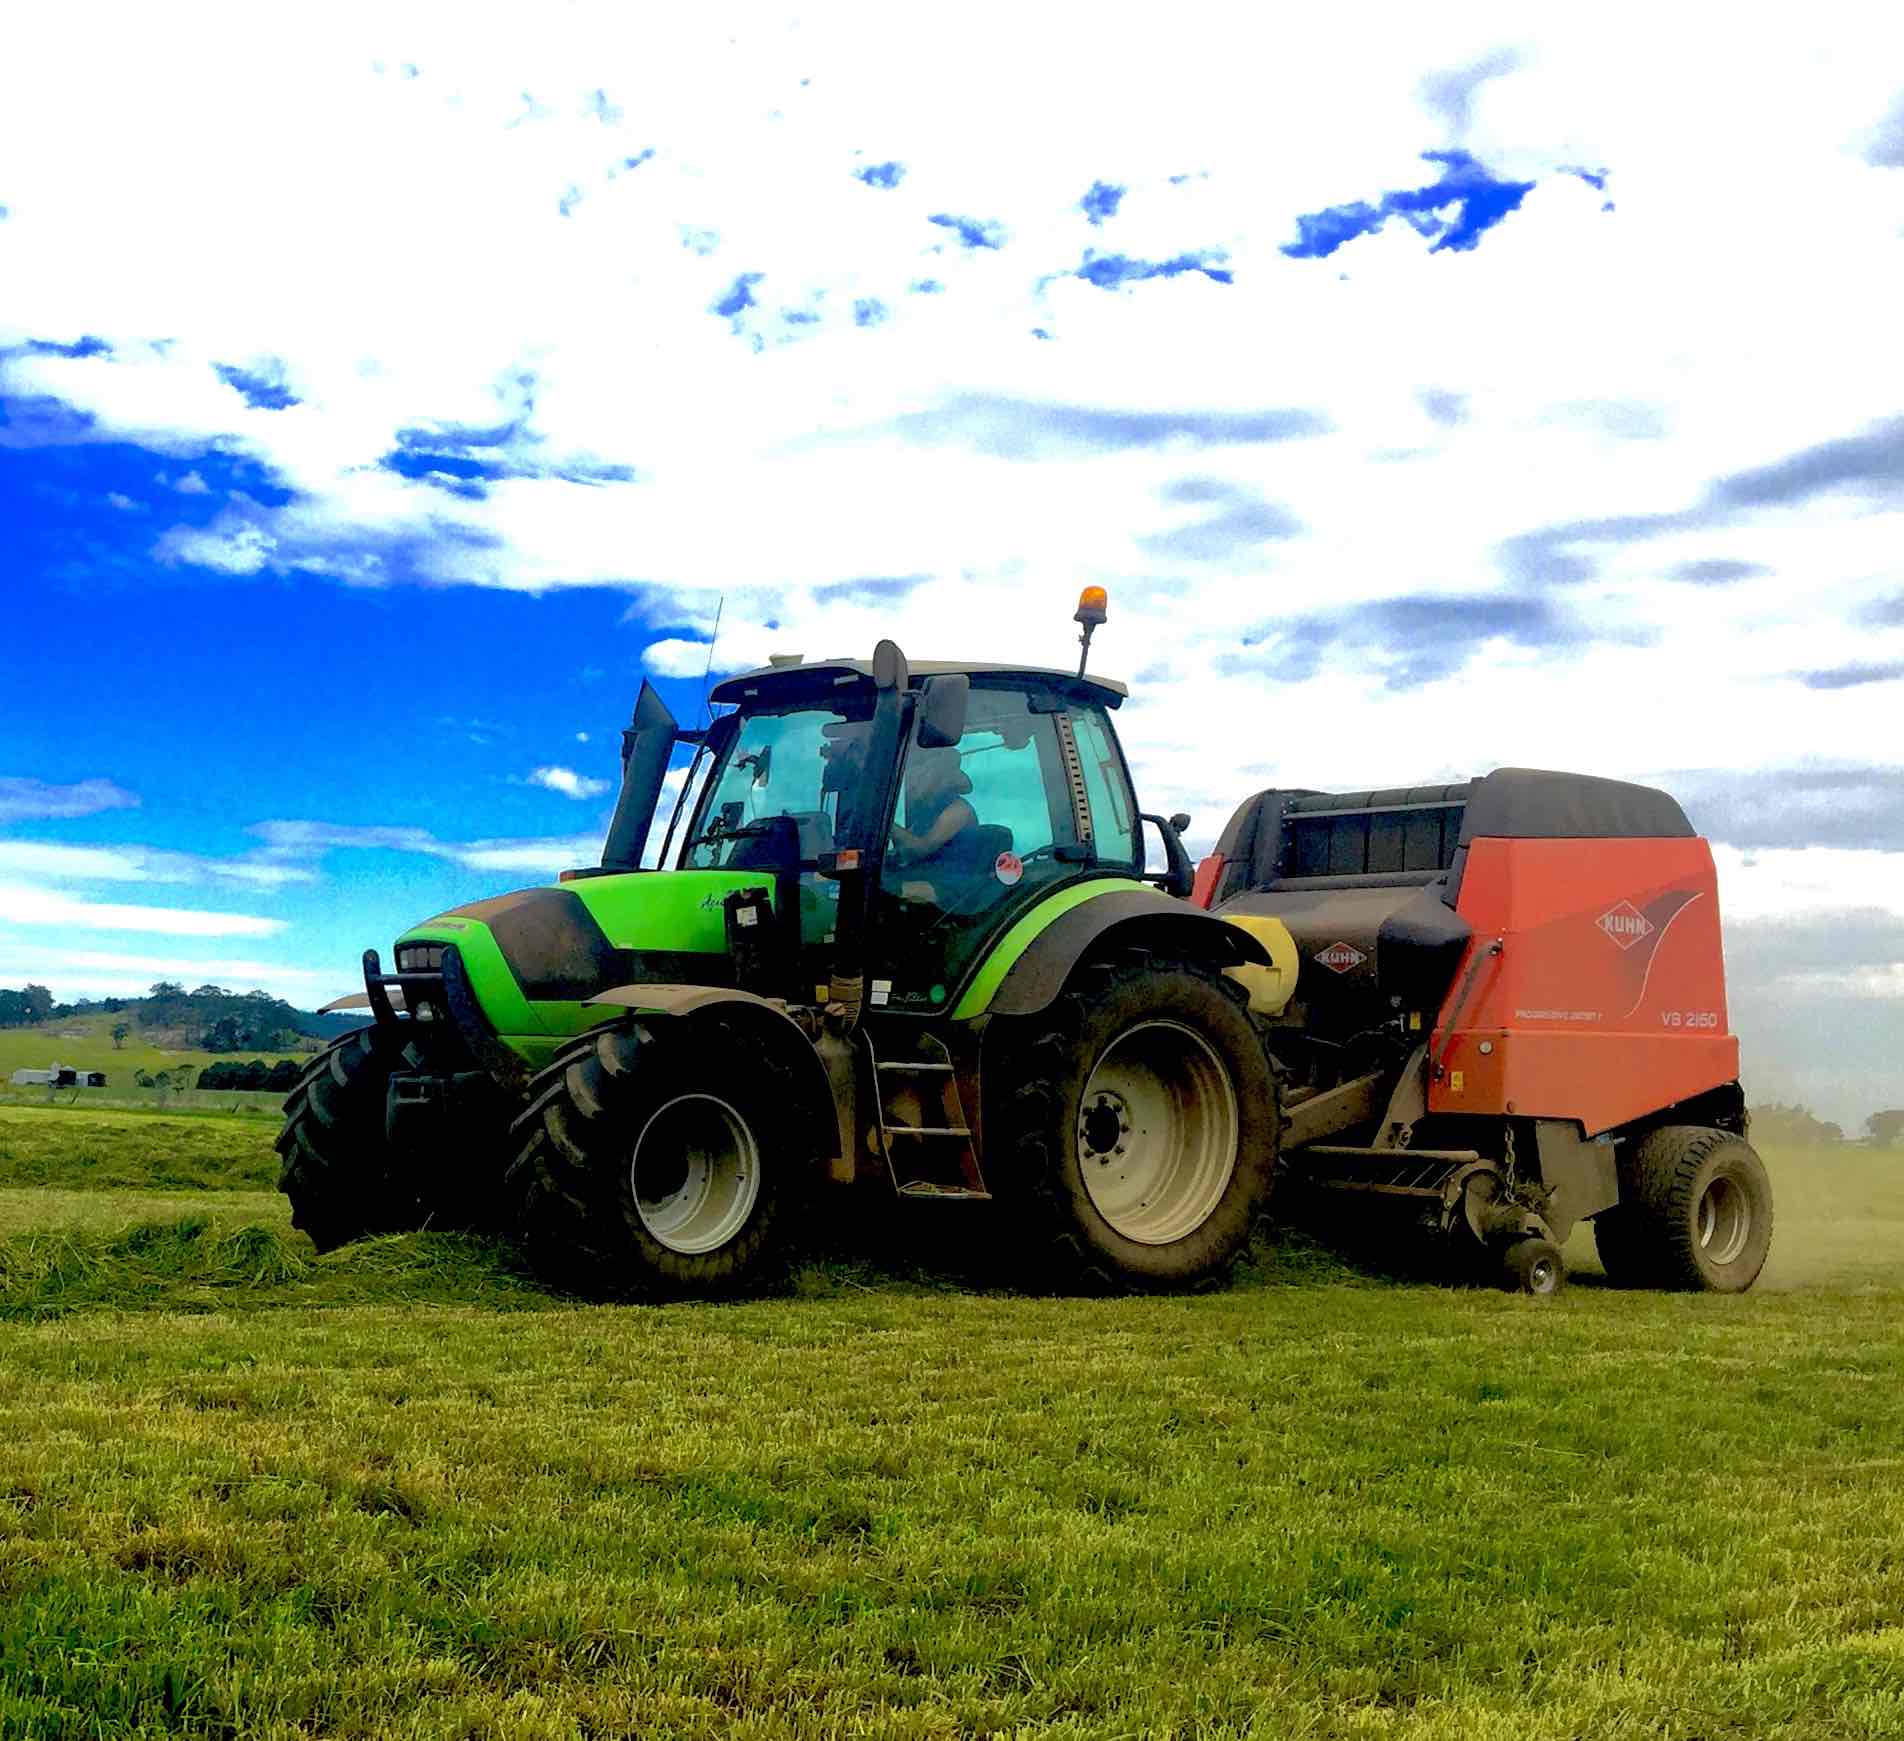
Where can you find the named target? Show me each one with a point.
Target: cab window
(1107, 787)
(975, 829)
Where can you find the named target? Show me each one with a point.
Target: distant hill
(162, 1031)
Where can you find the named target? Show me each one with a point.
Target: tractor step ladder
(923, 1134)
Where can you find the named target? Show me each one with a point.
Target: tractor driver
(939, 844)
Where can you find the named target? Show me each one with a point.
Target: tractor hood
(530, 951)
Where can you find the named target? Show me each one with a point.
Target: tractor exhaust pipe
(646, 747)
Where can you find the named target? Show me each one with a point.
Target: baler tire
(1533, 1266)
(1067, 1236)
(1700, 1215)
(574, 1206)
(337, 1165)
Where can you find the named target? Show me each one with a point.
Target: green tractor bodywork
(882, 889)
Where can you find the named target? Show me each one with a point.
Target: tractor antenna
(1093, 608)
(707, 713)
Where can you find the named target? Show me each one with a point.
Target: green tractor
(900, 936)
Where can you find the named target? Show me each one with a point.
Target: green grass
(248, 1490)
(85, 1042)
(80, 1148)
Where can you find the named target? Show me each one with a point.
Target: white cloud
(581, 737)
(295, 841)
(230, 545)
(1882, 979)
(23, 904)
(76, 973)
(568, 782)
(61, 861)
(192, 485)
(23, 799)
(1783, 883)
(677, 658)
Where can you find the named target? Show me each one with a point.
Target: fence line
(237, 1100)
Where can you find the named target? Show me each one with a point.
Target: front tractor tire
(1139, 1129)
(1695, 1214)
(650, 1165)
(337, 1166)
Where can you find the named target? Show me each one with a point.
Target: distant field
(80, 1149)
(245, 1490)
(86, 1043)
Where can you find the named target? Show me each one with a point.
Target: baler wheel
(654, 1164)
(337, 1163)
(1695, 1213)
(1533, 1266)
(1138, 1127)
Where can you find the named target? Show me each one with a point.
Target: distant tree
(167, 988)
(12, 1009)
(1795, 1125)
(144, 1079)
(210, 991)
(119, 1032)
(1886, 1128)
(39, 1003)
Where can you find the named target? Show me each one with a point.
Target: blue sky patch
(869, 311)
(881, 175)
(84, 347)
(973, 232)
(1453, 211)
(926, 287)
(1101, 201)
(739, 297)
(1113, 271)
(261, 391)
(83, 514)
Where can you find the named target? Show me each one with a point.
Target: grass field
(85, 1042)
(395, 1490)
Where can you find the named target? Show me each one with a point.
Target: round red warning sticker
(1008, 867)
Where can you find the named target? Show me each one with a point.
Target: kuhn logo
(1340, 957)
(1625, 924)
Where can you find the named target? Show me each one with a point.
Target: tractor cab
(951, 801)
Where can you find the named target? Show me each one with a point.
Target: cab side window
(1107, 786)
(975, 820)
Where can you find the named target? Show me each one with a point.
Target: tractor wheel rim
(1157, 1132)
(695, 1173)
(1724, 1220)
(1543, 1277)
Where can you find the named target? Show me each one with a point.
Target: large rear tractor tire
(337, 1163)
(655, 1164)
(1137, 1131)
(1695, 1214)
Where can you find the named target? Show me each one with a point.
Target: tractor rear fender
(749, 1026)
(1121, 919)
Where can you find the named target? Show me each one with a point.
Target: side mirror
(1180, 878)
(1181, 821)
(942, 711)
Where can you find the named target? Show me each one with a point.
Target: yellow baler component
(1271, 987)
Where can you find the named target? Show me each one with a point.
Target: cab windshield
(795, 763)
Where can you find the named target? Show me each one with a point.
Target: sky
(384, 391)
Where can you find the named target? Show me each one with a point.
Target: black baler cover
(1533, 804)
(1409, 834)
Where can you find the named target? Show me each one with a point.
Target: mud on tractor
(902, 936)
